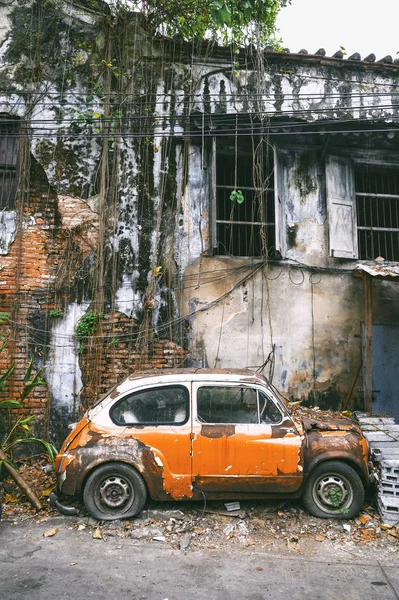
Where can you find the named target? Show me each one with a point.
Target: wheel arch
(94, 466)
(344, 459)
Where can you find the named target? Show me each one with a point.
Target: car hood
(328, 424)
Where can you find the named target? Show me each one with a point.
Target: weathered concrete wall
(311, 319)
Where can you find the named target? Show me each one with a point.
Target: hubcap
(115, 492)
(332, 493)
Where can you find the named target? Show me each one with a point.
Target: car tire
(114, 491)
(333, 490)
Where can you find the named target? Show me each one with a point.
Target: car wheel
(334, 490)
(114, 491)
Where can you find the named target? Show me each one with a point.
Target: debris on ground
(187, 527)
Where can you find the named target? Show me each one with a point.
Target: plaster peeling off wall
(62, 370)
(7, 230)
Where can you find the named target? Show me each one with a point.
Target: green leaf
(6, 375)
(50, 450)
(225, 16)
(26, 420)
(9, 462)
(237, 196)
(37, 380)
(28, 370)
(10, 404)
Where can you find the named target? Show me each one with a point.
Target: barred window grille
(377, 211)
(9, 155)
(247, 228)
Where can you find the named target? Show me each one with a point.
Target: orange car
(182, 433)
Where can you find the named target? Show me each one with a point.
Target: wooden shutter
(341, 207)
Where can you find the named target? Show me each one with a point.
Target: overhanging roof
(388, 271)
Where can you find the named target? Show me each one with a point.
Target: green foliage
(55, 313)
(88, 324)
(21, 433)
(335, 496)
(238, 21)
(4, 317)
(237, 196)
(18, 431)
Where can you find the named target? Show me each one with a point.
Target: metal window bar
(239, 226)
(377, 210)
(9, 154)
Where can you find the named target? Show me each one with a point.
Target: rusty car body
(181, 434)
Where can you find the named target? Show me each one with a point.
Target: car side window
(155, 406)
(216, 404)
(269, 413)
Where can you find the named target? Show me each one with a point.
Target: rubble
(187, 527)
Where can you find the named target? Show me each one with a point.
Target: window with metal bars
(244, 223)
(9, 155)
(377, 211)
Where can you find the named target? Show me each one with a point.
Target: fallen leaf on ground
(50, 532)
(45, 493)
(10, 499)
(97, 534)
(364, 518)
(319, 538)
(394, 533)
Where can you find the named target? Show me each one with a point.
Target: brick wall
(54, 236)
(106, 363)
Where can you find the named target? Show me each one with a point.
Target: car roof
(191, 374)
(168, 376)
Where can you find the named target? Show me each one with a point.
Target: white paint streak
(8, 220)
(63, 371)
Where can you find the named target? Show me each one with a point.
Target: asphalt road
(72, 564)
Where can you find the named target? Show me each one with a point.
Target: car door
(159, 418)
(242, 441)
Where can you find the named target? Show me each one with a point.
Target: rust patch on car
(217, 431)
(96, 445)
(343, 444)
(285, 428)
(248, 484)
(311, 424)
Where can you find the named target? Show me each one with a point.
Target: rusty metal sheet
(379, 270)
(340, 444)
(217, 431)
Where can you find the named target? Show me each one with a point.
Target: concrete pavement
(73, 565)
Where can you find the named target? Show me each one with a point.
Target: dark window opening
(9, 155)
(244, 226)
(377, 210)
